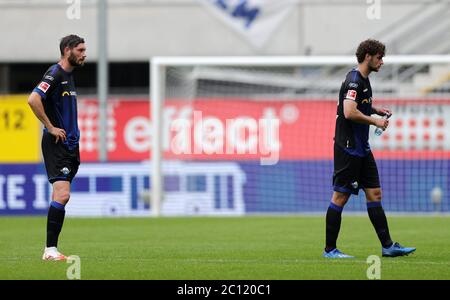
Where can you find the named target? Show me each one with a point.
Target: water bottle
(379, 130)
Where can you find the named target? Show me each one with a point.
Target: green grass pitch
(257, 247)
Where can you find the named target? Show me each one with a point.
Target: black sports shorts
(352, 173)
(60, 162)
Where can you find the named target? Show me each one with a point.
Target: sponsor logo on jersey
(71, 93)
(44, 86)
(367, 100)
(351, 94)
(64, 82)
(365, 90)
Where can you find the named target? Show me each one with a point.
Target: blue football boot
(396, 250)
(335, 253)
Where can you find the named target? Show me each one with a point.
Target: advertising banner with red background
(245, 129)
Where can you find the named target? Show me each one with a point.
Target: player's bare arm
(352, 113)
(35, 102)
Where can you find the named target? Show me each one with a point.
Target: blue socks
(57, 205)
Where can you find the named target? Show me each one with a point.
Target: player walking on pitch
(54, 103)
(354, 164)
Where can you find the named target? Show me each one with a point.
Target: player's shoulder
(53, 73)
(51, 79)
(354, 79)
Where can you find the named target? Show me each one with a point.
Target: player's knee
(378, 195)
(62, 196)
(340, 199)
(375, 195)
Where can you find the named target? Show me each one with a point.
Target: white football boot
(51, 253)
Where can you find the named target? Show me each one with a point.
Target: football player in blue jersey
(354, 165)
(54, 102)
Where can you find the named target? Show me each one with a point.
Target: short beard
(73, 61)
(373, 69)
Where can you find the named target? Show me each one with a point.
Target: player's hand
(58, 133)
(384, 111)
(382, 123)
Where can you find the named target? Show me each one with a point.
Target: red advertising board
(243, 129)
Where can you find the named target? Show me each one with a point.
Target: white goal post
(158, 66)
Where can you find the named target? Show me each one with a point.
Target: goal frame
(158, 66)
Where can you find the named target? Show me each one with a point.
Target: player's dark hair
(70, 41)
(371, 47)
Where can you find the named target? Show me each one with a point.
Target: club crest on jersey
(351, 94)
(44, 86)
(65, 171)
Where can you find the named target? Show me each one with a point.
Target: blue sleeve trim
(41, 93)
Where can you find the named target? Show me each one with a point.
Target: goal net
(254, 135)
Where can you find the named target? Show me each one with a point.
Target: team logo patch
(44, 86)
(351, 94)
(353, 85)
(65, 171)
